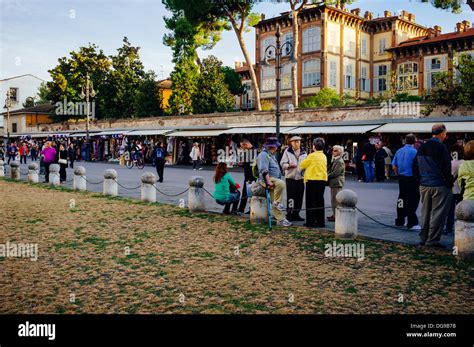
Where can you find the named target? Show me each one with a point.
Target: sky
(35, 33)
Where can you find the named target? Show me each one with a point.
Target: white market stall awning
(148, 132)
(257, 130)
(334, 129)
(196, 133)
(111, 132)
(425, 127)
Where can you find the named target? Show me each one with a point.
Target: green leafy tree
(212, 94)
(233, 80)
(43, 92)
(453, 91)
(124, 80)
(69, 76)
(326, 97)
(147, 99)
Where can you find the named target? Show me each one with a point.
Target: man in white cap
(290, 161)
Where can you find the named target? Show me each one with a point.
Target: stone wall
(335, 114)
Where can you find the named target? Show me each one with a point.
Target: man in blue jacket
(432, 166)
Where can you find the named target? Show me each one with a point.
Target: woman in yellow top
(315, 177)
(466, 172)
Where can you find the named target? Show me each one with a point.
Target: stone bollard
(2, 168)
(148, 191)
(110, 183)
(15, 170)
(346, 214)
(196, 201)
(79, 179)
(33, 176)
(258, 210)
(54, 175)
(464, 230)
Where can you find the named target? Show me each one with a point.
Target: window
(287, 48)
(286, 76)
(435, 64)
(349, 41)
(407, 76)
(265, 43)
(332, 74)
(312, 73)
(332, 40)
(364, 82)
(14, 128)
(363, 46)
(268, 78)
(349, 78)
(14, 97)
(380, 81)
(312, 39)
(382, 46)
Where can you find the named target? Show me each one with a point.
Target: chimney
(404, 15)
(387, 14)
(368, 15)
(356, 11)
(437, 30)
(411, 17)
(467, 25)
(262, 17)
(459, 27)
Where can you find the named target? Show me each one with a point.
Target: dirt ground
(121, 256)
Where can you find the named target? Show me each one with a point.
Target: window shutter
(428, 73)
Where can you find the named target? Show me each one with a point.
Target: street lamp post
(278, 51)
(7, 107)
(87, 93)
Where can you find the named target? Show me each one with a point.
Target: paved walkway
(377, 200)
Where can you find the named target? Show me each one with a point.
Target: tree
(213, 93)
(233, 80)
(69, 76)
(147, 99)
(453, 91)
(185, 74)
(124, 79)
(43, 92)
(326, 97)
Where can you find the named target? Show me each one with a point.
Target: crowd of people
(439, 178)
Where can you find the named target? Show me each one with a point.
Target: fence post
(54, 175)
(33, 176)
(2, 168)
(258, 210)
(196, 201)
(15, 170)
(110, 183)
(80, 179)
(464, 229)
(148, 190)
(346, 214)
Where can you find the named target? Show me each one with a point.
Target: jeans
(369, 171)
(232, 198)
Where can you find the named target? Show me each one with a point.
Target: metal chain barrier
(378, 222)
(170, 195)
(91, 182)
(127, 188)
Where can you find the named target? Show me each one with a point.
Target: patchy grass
(118, 255)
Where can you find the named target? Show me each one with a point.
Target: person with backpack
(290, 161)
(270, 178)
(159, 155)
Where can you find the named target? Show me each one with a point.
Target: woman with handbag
(62, 161)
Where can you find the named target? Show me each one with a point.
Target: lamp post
(87, 93)
(276, 52)
(7, 107)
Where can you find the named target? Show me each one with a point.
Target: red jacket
(23, 149)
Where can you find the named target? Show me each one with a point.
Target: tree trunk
(294, 69)
(253, 76)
